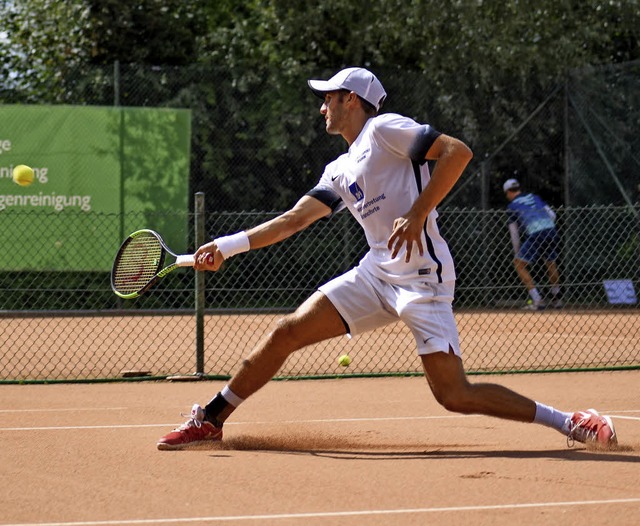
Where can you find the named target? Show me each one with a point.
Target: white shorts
(366, 302)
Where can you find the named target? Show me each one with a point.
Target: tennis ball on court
(344, 360)
(23, 175)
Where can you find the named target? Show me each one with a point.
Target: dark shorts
(543, 244)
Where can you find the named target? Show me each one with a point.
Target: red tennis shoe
(194, 431)
(589, 426)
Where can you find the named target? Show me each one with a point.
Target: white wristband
(234, 244)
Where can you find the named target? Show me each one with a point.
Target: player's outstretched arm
(305, 212)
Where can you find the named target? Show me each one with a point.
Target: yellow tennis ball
(23, 175)
(344, 360)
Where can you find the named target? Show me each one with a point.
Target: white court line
(276, 422)
(64, 409)
(360, 513)
(273, 422)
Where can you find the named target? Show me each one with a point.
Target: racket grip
(188, 260)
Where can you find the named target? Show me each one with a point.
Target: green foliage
(475, 69)
(146, 32)
(43, 41)
(39, 41)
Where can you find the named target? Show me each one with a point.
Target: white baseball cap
(511, 184)
(359, 80)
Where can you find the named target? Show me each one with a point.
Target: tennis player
(383, 180)
(534, 219)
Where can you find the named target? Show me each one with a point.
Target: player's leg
(347, 303)
(552, 272)
(528, 253)
(426, 309)
(448, 382)
(523, 273)
(315, 320)
(554, 281)
(550, 256)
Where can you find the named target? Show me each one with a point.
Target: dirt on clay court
(362, 451)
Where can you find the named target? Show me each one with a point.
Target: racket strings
(137, 264)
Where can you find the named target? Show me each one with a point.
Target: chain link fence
(70, 326)
(255, 148)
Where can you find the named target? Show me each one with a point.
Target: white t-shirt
(378, 180)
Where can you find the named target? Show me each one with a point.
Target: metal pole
(200, 284)
(116, 104)
(567, 232)
(485, 188)
(116, 83)
(567, 185)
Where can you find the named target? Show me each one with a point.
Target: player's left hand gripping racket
(139, 263)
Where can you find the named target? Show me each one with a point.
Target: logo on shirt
(334, 177)
(356, 191)
(363, 155)
(370, 207)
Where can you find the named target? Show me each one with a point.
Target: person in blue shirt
(531, 218)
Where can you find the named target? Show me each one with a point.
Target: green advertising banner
(100, 173)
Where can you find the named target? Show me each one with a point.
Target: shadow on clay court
(349, 449)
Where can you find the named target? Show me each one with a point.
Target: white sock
(535, 295)
(550, 417)
(231, 397)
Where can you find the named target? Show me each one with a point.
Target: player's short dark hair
(368, 108)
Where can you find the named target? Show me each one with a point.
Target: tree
(43, 39)
(472, 68)
(48, 45)
(156, 32)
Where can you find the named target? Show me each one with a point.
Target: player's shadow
(323, 446)
(580, 455)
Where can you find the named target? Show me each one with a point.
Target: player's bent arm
(305, 212)
(451, 156)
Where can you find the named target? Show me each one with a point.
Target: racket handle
(185, 261)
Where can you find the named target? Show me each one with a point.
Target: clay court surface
(95, 347)
(362, 451)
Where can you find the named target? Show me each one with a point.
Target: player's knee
(455, 400)
(448, 401)
(286, 334)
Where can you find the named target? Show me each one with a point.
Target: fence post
(485, 190)
(116, 83)
(200, 283)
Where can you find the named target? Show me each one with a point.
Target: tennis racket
(139, 263)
